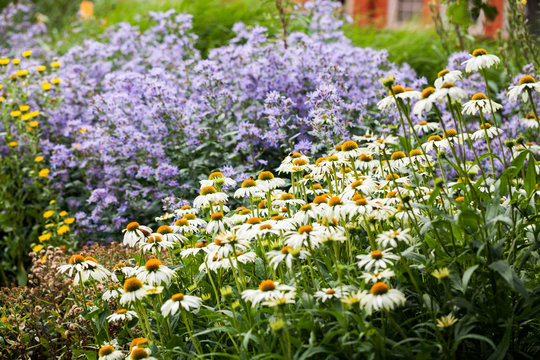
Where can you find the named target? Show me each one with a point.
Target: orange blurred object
(86, 10)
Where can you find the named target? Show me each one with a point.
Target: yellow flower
(47, 214)
(34, 124)
(24, 108)
(69, 220)
(46, 86)
(1, 86)
(40, 68)
(38, 159)
(16, 61)
(4, 61)
(86, 10)
(44, 173)
(34, 113)
(446, 321)
(15, 113)
(27, 53)
(37, 248)
(21, 73)
(56, 81)
(44, 237)
(25, 117)
(63, 213)
(56, 64)
(12, 144)
(43, 258)
(441, 273)
(82, 129)
(2, 99)
(63, 229)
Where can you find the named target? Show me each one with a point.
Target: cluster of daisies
(277, 238)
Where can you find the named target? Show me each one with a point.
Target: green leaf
(503, 268)
(530, 176)
(467, 277)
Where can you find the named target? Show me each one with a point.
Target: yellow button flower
(38, 159)
(45, 237)
(63, 229)
(16, 61)
(4, 61)
(15, 113)
(40, 68)
(34, 124)
(46, 86)
(56, 64)
(21, 73)
(44, 173)
(47, 214)
(37, 248)
(12, 144)
(63, 213)
(69, 220)
(24, 108)
(56, 81)
(27, 53)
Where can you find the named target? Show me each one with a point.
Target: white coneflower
(398, 160)
(192, 251)
(194, 220)
(337, 208)
(76, 264)
(304, 215)
(164, 217)
(268, 289)
(426, 101)
(155, 273)
(526, 84)
(303, 237)
(281, 223)
(227, 243)
(133, 233)
(364, 185)
(399, 93)
(134, 290)
(122, 314)
(217, 224)
(378, 275)
(288, 200)
(380, 144)
(122, 268)
(530, 121)
(332, 293)
(479, 60)
(424, 127)
(209, 195)
(261, 231)
(249, 188)
(449, 90)
(361, 206)
(287, 165)
(446, 76)
(391, 238)
(217, 179)
(299, 165)
(282, 299)
(382, 297)
(113, 292)
(266, 181)
(435, 142)
(140, 353)
(350, 149)
(93, 271)
(155, 244)
(188, 302)
(182, 226)
(241, 215)
(376, 259)
(479, 102)
(287, 254)
(243, 258)
(485, 130)
(108, 352)
(167, 234)
(186, 209)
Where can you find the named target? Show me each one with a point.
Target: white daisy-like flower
(133, 233)
(378, 275)
(140, 353)
(426, 101)
(287, 254)
(249, 188)
(188, 302)
(280, 222)
(121, 315)
(284, 298)
(448, 90)
(479, 60)
(332, 293)
(303, 237)
(305, 215)
(435, 142)
(241, 215)
(108, 352)
(526, 84)
(155, 273)
(186, 209)
(164, 217)
(76, 264)
(266, 181)
(382, 143)
(364, 185)
(446, 76)
(84, 269)
(194, 220)
(399, 92)
(424, 127)
(196, 249)
(377, 259)
(155, 244)
(287, 165)
(217, 180)
(530, 121)
(480, 102)
(382, 297)
(286, 200)
(486, 130)
(113, 292)
(351, 150)
(361, 206)
(122, 268)
(182, 226)
(268, 289)
(208, 196)
(226, 243)
(391, 238)
(217, 224)
(167, 234)
(134, 290)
